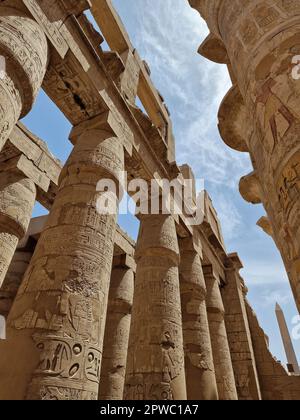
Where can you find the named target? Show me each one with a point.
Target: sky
(167, 34)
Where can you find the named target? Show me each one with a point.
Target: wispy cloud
(167, 34)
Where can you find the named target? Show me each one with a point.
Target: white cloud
(167, 34)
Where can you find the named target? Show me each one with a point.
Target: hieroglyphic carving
(156, 317)
(220, 347)
(24, 47)
(199, 366)
(262, 41)
(17, 198)
(70, 273)
(117, 334)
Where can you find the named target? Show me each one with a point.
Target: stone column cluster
(83, 323)
(23, 62)
(259, 42)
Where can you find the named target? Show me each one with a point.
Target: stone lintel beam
(233, 121)
(250, 188)
(124, 261)
(115, 348)
(212, 226)
(118, 39)
(76, 7)
(26, 168)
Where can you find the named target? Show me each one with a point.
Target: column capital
(209, 272)
(21, 166)
(191, 244)
(233, 261)
(124, 261)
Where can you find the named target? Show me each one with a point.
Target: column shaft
(199, 365)
(13, 280)
(221, 352)
(155, 369)
(262, 42)
(17, 198)
(117, 330)
(239, 336)
(23, 61)
(56, 325)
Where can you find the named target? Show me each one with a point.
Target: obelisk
(287, 342)
(2, 328)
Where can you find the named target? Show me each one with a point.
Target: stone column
(17, 198)
(261, 41)
(199, 366)
(221, 353)
(13, 280)
(23, 61)
(155, 368)
(238, 332)
(56, 325)
(113, 369)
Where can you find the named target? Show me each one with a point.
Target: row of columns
(56, 339)
(23, 61)
(164, 326)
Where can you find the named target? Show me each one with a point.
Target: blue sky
(167, 34)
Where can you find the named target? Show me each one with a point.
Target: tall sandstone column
(155, 368)
(13, 280)
(238, 332)
(262, 43)
(56, 325)
(199, 366)
(113, 369)
(23, 61)
(17, 199)
(221, 353)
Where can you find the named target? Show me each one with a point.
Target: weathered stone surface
(199, 366)
(63, 329)
(262, 41)
(238, 332)
(17, 198)
(24, 47)
(188, 339)
(155, 368)
(219, 340)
